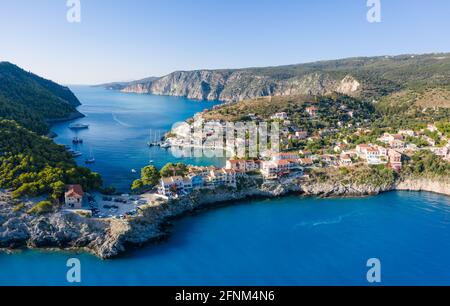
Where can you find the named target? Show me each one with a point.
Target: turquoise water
(120, 128)
(289, 241)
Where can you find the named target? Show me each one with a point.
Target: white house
(74, 197)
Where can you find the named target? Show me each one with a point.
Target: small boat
(133, 171)
(77, 154)
(77, 140)
(165, 145)
(90, 160)
(78, 126)
(151, 162)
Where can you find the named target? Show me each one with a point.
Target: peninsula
(345, 133)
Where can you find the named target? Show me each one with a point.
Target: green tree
(137, 185)
(172, 169)
(150, 176)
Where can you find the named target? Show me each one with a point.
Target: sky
(128, 40)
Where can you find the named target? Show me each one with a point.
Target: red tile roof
(74, 190)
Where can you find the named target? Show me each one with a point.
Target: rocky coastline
(109, 238)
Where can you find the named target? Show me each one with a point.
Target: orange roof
(372, 150)
(74, 190)
(283, 162)
(306, 161)
(364, 146)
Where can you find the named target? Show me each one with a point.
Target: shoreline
(111, 238)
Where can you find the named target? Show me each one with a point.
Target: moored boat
(77, 140)
(78, 126)
(76, 154)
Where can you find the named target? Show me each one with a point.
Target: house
(241, 165)
(222, 177)
(395, 160)
(306, 162)
(312, 111)
(274, 169)
(302, 135)
(280, 116)
(285, 156)
(269, 170)
(397, 144)
(298, 136)
(187, 185)
(345, 160)
(361, 150)
(171, 185)
(374, 155)
(305, 153)
(74, 196)
(230, 177)
(390, 138)
(327, 158)
(383, 151)
(197, 181)
(410, 133)
(339, 148)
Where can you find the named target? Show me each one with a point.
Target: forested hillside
(33, 165)
(31, 100)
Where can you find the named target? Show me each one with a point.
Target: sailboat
(91, 159)
(150, 160)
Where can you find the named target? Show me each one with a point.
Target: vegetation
(172, 169)
(149, 177)
(41, 208)
(375, 176)
(33, 165)
(426, 163)
(333, 109)
(31, 100)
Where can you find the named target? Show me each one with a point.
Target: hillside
(33, 165)
(31, 100)
(365, 77)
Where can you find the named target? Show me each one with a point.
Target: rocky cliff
(368, 77)
(232, 86)
(110, 238)
(441, 186)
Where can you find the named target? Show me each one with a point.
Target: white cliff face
(349, 86)
(437, 186)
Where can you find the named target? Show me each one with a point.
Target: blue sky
(125, 40)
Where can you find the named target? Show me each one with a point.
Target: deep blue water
(120, 128)
(290, 241)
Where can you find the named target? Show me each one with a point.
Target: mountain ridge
(365, 77)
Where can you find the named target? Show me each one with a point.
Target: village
(389, 150)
